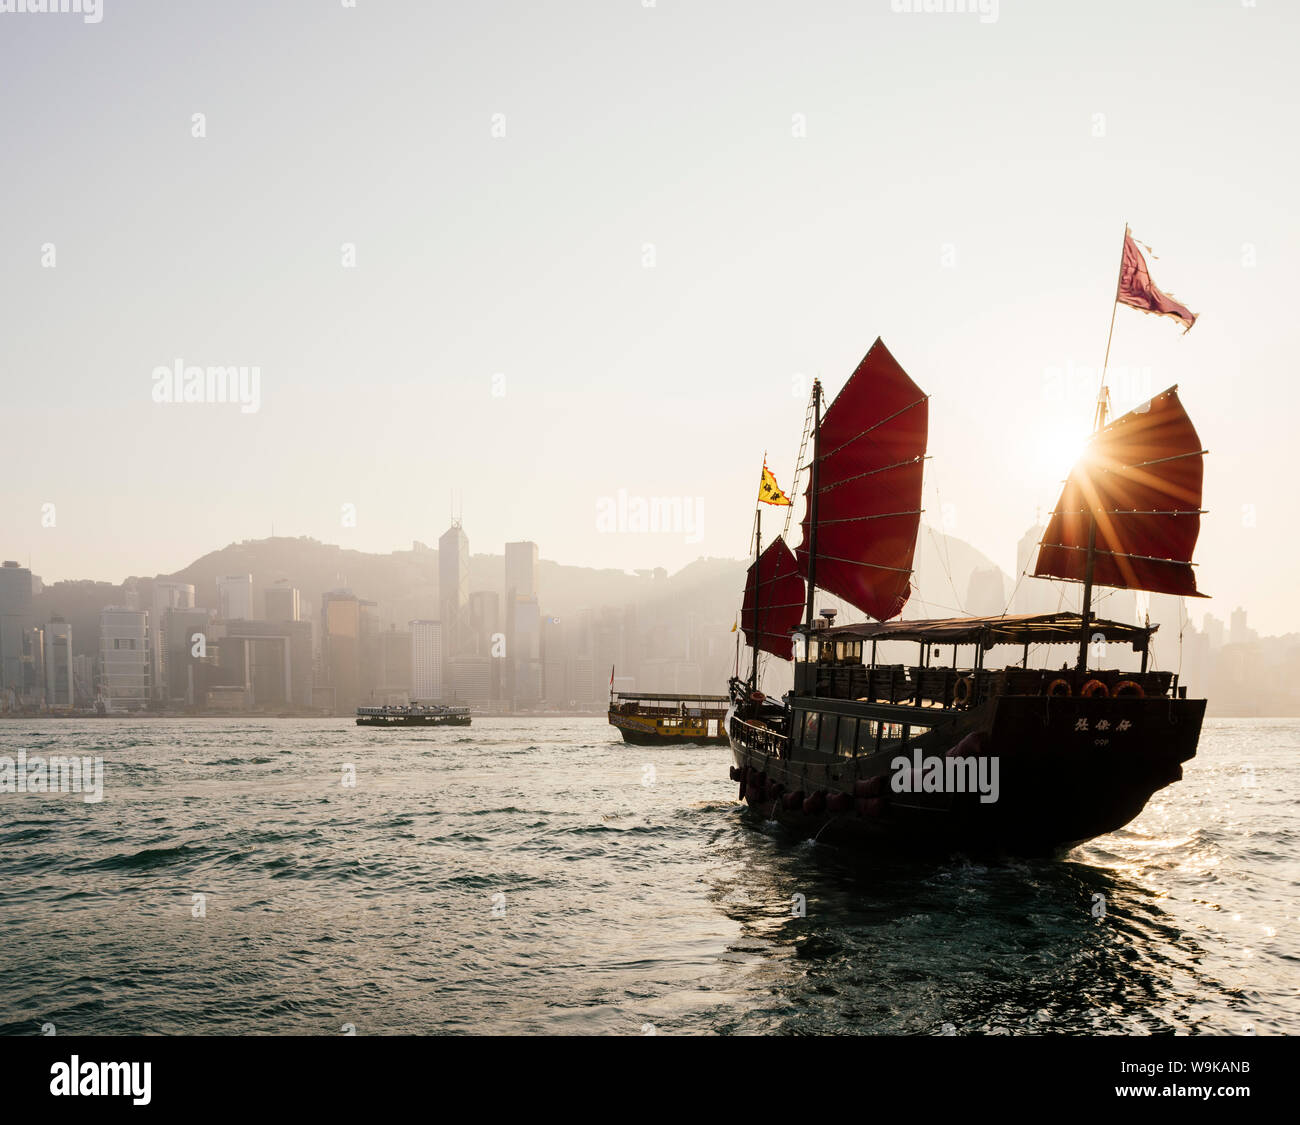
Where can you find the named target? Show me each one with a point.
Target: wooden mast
(758, 588)
(815, 482)
(1098, 421)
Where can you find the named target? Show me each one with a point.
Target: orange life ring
(962, 690)
(1094, 687)
(1059, 687)
(1129, 687)
(756, 697)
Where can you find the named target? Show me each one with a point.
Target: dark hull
(1061, 780)
(413, 721)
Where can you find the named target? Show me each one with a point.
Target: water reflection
(891, 945)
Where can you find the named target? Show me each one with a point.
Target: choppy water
(532, 876)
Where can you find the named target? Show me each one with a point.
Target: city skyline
(382, 655)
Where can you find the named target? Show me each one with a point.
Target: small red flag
(1138, 292)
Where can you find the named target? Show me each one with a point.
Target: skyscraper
(235, 597)
(453, 593)
(426, 661)
(167, 595)
(124, 663)
(60, 690)
(523, 625)
(340, 648)
(15, 616)
(1032, 595)
(521, 570)
(394, 667)
(283, 602)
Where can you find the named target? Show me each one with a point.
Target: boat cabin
(839, 662)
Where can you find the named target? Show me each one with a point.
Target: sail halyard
(862, 508)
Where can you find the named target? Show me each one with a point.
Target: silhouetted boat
(1009, 758)
(413, 715)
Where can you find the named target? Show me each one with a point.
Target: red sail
(1141, 475)
(871, 452)
(774, 600)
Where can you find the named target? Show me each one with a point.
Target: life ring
(1129, 687)
(1094, 687)
(1059, 687)
(962, 690)
(756, 697)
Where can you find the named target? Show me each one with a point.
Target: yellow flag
(734, 624)
(769, 492)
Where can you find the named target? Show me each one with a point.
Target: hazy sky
(648, 258)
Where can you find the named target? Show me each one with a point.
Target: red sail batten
(873, 439)
(773, 605)
(1142, 476)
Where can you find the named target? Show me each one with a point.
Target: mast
(1098, 421)
(812, 502)
(758, 593)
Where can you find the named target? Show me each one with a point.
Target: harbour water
(538, 876)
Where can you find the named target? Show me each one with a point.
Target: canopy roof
(676, 696)
(1013, 629)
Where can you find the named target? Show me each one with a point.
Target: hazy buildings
(395, 678)
(340, 649)
(283, 602)
(525, 653)
(985, 593)
(33, 689)
(523, 686)
(270, 660)
(1032, 595)
(453, 591)
(426, 661)
(60, 685)
(185, 634)
(235, 597)
(15, 616)
(124, 658)
(484, 622)
(472, 679)
(167, 595)
(521, 570)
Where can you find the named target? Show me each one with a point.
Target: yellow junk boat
(647, 718)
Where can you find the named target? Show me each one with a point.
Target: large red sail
(1141, 476)
(871, 451)
(774, 600)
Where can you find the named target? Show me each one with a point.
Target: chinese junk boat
(1011, 759)
(647, 718)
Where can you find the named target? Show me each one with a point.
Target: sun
(1056, 445)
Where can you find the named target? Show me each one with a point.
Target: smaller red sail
(774, 600)
(1141, 477)
(871, 454)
